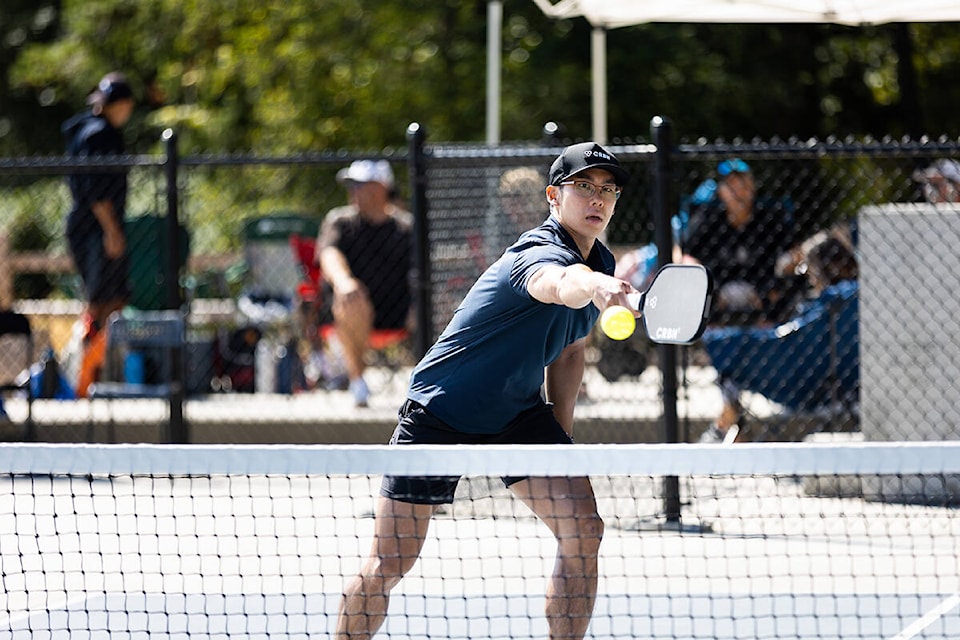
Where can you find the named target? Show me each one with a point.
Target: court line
(929, 618)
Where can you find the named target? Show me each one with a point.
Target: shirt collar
(595, 260)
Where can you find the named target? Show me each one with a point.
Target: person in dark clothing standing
(94, 227)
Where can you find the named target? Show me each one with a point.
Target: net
(856, 540)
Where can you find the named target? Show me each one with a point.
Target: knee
(380, 575)
(353, 309)
(586, 536)
(592, 528)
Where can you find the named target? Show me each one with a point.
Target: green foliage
(31, 217)
(222, 199)
(306, 75)
(278, 78)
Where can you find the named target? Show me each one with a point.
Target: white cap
(946, 168)
(367, 171)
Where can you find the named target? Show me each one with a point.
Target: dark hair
(111, 88)
(831, 261)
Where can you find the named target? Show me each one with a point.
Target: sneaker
(360, 392)
(712, 435)
(731, 435)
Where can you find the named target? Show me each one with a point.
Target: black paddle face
(677, 303)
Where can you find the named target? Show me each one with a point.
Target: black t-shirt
(380, 256)
(90, 136)
(747, 254)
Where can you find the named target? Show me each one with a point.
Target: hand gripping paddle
(675, 306)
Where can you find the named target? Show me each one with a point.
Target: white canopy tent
(611, 14)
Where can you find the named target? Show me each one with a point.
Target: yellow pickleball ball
(618, 323)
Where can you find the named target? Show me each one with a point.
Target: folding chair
(160, 335)
(273, 272)
(16, 347)
(271, 296)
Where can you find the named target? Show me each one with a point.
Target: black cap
(111, 88)
(587, 155)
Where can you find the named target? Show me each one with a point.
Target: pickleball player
(507, 370)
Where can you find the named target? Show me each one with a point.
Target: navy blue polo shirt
(487, 367)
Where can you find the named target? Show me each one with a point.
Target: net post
(661, 133)
(416, 160)
(178, 431)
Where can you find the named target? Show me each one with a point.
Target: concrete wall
(910, 321)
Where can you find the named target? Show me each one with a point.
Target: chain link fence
(833, 309)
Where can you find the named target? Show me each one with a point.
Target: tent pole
(598, 50)
(494, 27)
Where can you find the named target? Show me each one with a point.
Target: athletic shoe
(360, 392)
(712, 435)
(731, 435)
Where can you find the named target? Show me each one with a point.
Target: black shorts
(104, 279)
(419, 426)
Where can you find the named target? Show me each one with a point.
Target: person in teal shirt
(507, 370)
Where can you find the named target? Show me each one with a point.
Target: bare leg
(353, 319)
(568, 507)
(399, 532)
(728, 422)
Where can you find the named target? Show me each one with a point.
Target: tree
(307, 75)
(22, 23)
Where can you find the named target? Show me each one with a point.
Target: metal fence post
(418, 204)
(179, 431)
(661, 133)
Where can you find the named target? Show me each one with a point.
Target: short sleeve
(106, 184)
(331, 229)
(528, 261)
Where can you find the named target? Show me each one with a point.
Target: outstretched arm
(576, 286)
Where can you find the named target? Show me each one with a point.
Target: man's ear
(553, 194)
